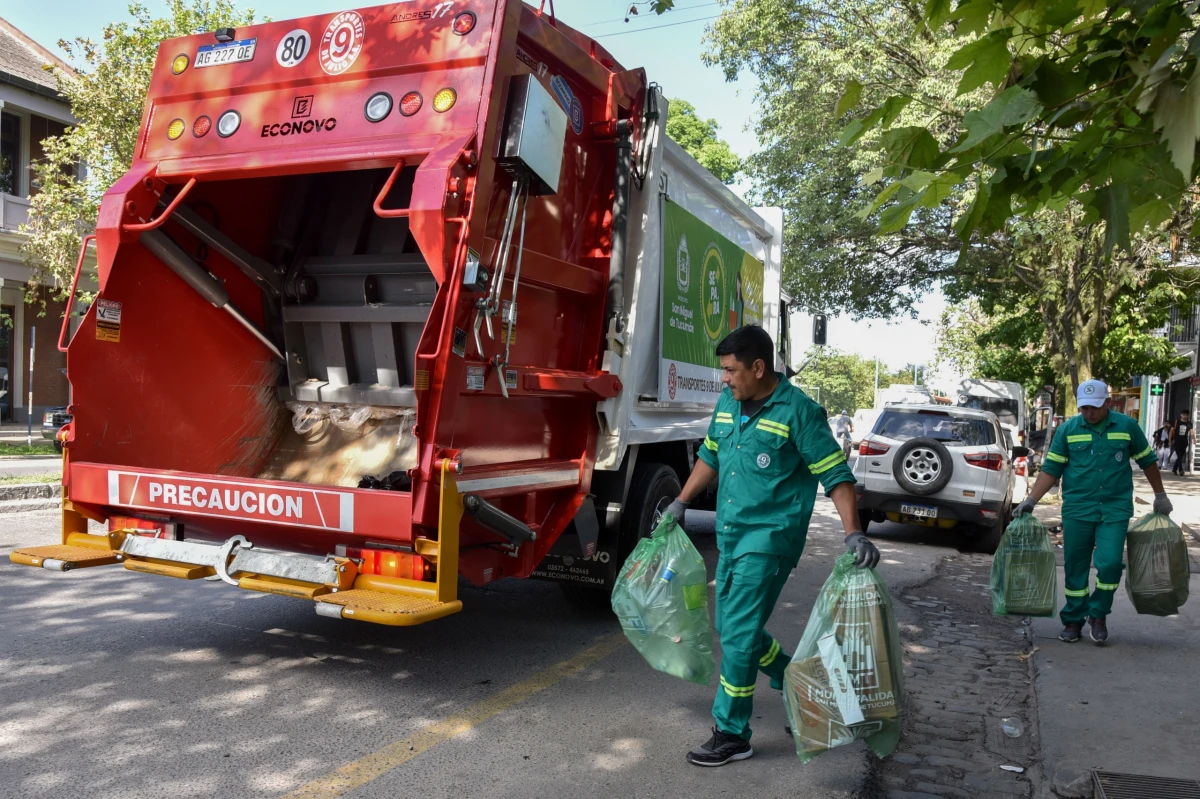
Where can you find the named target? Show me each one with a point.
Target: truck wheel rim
(922, 466)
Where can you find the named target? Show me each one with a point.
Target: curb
(30, 458)
(26, 505)
(27, 491)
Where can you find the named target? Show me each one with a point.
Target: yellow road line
(378, 763)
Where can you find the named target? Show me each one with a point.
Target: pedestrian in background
(1092, 453)
(1182, 436)
(770, 444)
(1162, 445)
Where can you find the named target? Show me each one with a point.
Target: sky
(670, 47)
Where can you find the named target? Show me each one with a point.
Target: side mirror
(1020, 452)
(820, 323)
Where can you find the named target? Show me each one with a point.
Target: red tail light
(388, 563)
(410, 103)
(872, 448)
(987, 460)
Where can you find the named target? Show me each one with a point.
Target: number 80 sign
(342, 42)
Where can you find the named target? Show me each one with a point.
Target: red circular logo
(342, 42)
(672, 381)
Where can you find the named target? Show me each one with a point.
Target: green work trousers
(1082, 542)
(747, 588)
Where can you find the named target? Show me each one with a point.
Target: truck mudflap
(333, 583)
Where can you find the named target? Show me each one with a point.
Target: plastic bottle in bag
(661, 600)
(1024, 580)
(846, 680)
(1157, 579)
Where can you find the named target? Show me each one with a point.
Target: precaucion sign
(710, 287)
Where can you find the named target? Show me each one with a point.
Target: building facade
(30, 110)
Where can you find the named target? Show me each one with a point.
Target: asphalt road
(114, 684)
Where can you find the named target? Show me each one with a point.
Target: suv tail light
(872, 448)
(986, 460)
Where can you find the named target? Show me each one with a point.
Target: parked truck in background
(1004, 398)
(394, 295)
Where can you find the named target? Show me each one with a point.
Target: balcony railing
(1181, 329)
(14, 211)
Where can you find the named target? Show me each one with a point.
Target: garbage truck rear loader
(395, 295)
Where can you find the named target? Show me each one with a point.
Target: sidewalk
(1131, 706)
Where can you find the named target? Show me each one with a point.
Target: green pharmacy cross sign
(1156, 390)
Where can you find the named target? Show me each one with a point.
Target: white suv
(937, 466)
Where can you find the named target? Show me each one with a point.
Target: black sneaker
(1098, 630)
(1071, 632)
(721, 748)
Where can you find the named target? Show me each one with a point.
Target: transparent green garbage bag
(846, 680)
(661, 600)
(1024, 576)
(1157, 558)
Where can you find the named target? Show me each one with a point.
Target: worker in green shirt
(770, 445)
(1092, 453)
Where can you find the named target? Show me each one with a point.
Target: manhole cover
(1111, 785)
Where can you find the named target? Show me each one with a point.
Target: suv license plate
(923, 511)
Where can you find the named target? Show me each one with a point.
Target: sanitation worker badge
(764, 460)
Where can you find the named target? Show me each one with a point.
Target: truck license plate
(922, 511)
(212, 55)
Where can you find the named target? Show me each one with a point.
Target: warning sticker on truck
(108, 320)
(476, 376)
(459, 345)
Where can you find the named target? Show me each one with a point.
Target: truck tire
(922, 466)
(652, 488)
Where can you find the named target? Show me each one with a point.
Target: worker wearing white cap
(1092, 452)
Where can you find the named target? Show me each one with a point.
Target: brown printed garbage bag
(1157, 558)
(846, 681)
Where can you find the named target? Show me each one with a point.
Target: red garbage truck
(394, 295)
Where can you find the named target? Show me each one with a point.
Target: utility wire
(677, 8)
(656, 27)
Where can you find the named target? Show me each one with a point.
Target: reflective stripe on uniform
(767, 426)
(724, 417)
(1106, 586)
(1080, 592)
(1143, 453)
(1118, 436)
(826, 464)
(735, 691)
(1054, 456)
(708, 442)
(769, 658)
(1077, 439)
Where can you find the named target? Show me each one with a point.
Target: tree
(1089, 100)
(846, 381)
(878, 217)
(699, 138)
(107, 95)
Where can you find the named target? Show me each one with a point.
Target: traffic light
(819, 324)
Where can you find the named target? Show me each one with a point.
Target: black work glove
(677, 509)
(861, 547)
(1024, 508)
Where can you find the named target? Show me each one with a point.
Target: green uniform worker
(770, 444)
(1092, 453)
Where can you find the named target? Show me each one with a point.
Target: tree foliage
(899, 144)
(699, 138)
(846, 381)
(107, 95)
(1090, 100)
